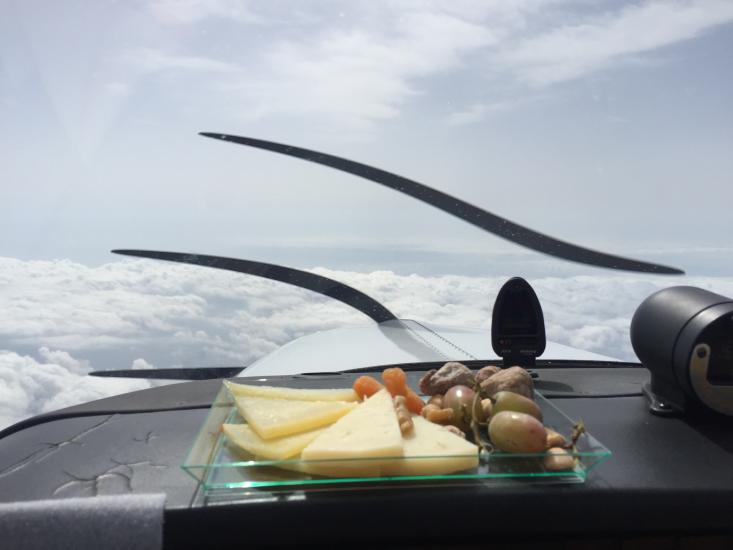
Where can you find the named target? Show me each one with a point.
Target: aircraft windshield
(605, 125)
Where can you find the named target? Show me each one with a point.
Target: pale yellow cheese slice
(245, 438)
(342, 394)
(369, 431)
(271, 418)
(431, 449)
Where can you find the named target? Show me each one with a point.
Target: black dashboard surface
(667, 475)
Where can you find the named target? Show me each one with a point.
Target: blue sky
(604, 123)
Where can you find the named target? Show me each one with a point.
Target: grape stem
(578, 430)
(479, 440)
(475, 422)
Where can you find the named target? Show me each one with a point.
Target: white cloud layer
(62, 319)
(31, 386)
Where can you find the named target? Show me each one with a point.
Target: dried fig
(513, 379)
(449, 375)
(486, 372)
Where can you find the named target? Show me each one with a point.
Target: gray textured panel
(111, 522)
(101, 455)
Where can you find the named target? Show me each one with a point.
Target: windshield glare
(606, 125)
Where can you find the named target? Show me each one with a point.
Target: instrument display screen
(719, 336)
(518, 315)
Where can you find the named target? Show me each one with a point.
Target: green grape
(517, 432)
(510, 401)
(460, 400)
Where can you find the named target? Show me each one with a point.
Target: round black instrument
(684, 336)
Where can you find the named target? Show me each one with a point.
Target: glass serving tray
(217, 466)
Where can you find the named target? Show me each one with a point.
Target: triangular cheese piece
(440, 452)
(343, 394)
(281, 448)
(369, 431)
(271, 418)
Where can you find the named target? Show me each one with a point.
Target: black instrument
(517, 324)
(684, 336)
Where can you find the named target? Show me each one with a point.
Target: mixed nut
(498, 403)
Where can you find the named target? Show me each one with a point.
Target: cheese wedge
(271, 418)
(431, 449)
(369, 431)
(343, 394)
(243, 437)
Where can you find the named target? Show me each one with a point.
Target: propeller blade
(492, 223)
(192, 373)
(303, 279)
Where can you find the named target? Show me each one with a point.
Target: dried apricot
(396, 381)
(366, 386)
(414, 403)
